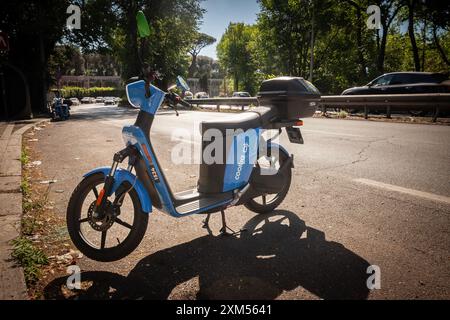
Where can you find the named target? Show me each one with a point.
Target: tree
(201, 41)
(412, 5)
(389, 11)
(359, 30)
(235, 54)
(174, 24)
(34, 31)
(437, 14)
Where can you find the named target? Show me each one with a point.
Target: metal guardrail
(241, 102)
(424, 102)
(436, 102)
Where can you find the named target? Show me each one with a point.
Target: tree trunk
(424, 48)
(382, 51)
(193, 67)
(386, 23)
(362, 60)
(133, 67)
(412, 35)
(236, 83)
(359, 30)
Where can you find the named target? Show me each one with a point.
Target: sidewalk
(12, 282)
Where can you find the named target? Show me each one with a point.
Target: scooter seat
(253, 119)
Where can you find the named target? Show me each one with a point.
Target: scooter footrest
(203, 204)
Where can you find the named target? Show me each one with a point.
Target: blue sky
(220, 13)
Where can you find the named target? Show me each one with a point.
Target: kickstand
(225, 228)
(206, 224)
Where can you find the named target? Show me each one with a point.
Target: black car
(404, 83)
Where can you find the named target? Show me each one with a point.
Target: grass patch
(24, 157)
(30, 221)
(25, 187)
(30, 258)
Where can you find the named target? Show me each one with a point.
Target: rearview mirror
(142, 24)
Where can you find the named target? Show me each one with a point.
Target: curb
(12, 280)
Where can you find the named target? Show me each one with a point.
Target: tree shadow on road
(102, 113)
(278, 253)
(113, 113)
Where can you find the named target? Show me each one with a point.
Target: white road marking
(333, 133)
(412, 192)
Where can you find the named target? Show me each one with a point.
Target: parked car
(188, 95)
(202, 95)
(241, 95)
(86, 100)
(99, 100)
(404, 83)
(109, 101)
(75, 101)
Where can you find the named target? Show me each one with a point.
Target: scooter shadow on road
(278, 253)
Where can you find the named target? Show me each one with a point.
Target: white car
(241, 95)
(202, 95)
(188, 95)
(109, 101)
(99, 100)
(75, 101)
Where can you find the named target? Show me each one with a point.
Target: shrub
(342, 114)
(79, 92)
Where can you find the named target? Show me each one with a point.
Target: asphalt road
(363, 194)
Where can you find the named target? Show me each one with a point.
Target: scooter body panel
(134, 136)
(241, 159)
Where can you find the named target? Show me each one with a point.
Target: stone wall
(215, 86)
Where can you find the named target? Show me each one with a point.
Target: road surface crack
(360, 155)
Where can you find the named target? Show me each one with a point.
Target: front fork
(129, 152)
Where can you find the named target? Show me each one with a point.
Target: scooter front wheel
(114, 235)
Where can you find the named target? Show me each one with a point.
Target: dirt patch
(43, 230)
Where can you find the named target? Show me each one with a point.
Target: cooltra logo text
(241, 162)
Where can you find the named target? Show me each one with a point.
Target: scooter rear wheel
(269, 202)
(114, 236)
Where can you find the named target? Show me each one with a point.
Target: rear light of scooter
(299, 123)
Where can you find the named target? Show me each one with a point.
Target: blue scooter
(108, 212)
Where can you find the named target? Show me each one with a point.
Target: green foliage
(201, 41)
(78, 92)
(236, 55)
(24, 158)
(342, 114)
(25, 187)
(29, 257)
(346, 52)
(34, 27)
